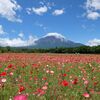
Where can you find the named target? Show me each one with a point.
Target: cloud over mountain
(56, 35)
(49, 40)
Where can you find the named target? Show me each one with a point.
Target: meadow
(25, 76)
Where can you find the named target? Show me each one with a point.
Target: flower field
(49, 76)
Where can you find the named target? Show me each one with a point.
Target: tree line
(81, 50)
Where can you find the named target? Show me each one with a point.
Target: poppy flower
(44, 87)
(3, 80)
(21, 97)
(46, 83)
(39, 92)
(11, 73)
(22, 88)
(86, 82)
(87, 95)
(10, 66)
(75, 81)
(5, 69)
(44, 78)
(3, 74)
(47, 71)
(35, 66)
(35, 78)
(51, 72)
(64, 75)
(64, 83)
(95, 83)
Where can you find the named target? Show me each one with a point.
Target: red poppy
(22, 88)
(75, 81)
(35, 78)
(64, 75)
(64, 83)
(95, 83)
(39, 92)
(35, 65)
(3, 74)
(44, 78)
(10, 66)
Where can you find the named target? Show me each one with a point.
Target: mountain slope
(52, 42)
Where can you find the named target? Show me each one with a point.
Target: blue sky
(24, 21)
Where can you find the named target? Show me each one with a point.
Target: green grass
(32, 79)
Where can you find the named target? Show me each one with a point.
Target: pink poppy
(87, 95)
(21, 97)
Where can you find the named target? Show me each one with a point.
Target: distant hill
(53, 41)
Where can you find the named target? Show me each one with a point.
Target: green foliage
(55, 90)
(81, 50)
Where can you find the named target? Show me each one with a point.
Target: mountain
(52, 41)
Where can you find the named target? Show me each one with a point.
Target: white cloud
(55, 34)
(21, 35)
(40, 11)
(92, 9)
(8, 10)
(17, 42)
(48, 4)
(93, 15)
(32, 40)
(94, 42)
(44, 7)
(58, 12)
(93, 4)
(2, 30)
(41, 2)
(29, 10)
(20, 42)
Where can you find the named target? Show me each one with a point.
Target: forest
(75, 50)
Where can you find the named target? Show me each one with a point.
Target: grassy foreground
(42, 81)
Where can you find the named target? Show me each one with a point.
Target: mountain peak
(52, 40)
(56, 35)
